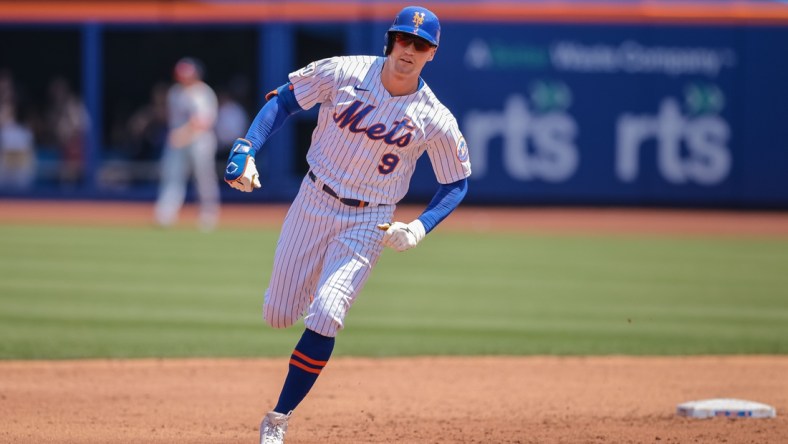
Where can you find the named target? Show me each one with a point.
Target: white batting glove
(241, 172)
(400, 236)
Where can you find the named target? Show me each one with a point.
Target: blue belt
(332, 193)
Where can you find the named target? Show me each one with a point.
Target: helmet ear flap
(388, 43)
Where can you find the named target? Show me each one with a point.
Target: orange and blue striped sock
(311, 354)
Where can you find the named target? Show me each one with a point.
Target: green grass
(74, 292)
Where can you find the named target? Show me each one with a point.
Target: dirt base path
(421, 400)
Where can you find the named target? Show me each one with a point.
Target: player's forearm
(446, 200)
(180, 136)
(280, 105)
(268, 121)
(201, 124)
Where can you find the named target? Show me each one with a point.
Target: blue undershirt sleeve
(446, 199)
(281, 104)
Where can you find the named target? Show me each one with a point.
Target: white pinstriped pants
(325, 254)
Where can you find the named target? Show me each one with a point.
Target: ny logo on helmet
(418, 19)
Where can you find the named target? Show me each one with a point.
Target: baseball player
(377, 117)
(191, 144)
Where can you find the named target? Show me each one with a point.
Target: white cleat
(273, 428)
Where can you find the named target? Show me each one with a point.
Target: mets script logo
(418, 19)
(400, 132)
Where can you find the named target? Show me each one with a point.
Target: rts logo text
(690, 146)
(538, 140)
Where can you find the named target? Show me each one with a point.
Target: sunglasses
(419, 44)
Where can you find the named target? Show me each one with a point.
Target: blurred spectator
(232, 121)
(66, 123)
(191, 145)
(7, 89)
(147, 127)
(17, 151)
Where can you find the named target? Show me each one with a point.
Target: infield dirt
(611, 399)
(400, 400)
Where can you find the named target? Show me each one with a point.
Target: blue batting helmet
(415, 20)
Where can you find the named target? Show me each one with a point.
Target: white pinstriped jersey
(187, 102)
(366, 142)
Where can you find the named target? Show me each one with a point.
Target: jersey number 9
(388, 163)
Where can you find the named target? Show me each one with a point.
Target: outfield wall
(663, 114)
(588, 103)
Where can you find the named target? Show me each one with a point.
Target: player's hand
(179, 137)
(400, 236)
(241, 172)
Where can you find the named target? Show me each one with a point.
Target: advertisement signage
(618, 114)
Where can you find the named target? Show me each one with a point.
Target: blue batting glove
(241, 172)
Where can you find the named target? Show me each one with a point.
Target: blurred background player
(66, 126)
(17, 151)
(377, 117)
(190, 148)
